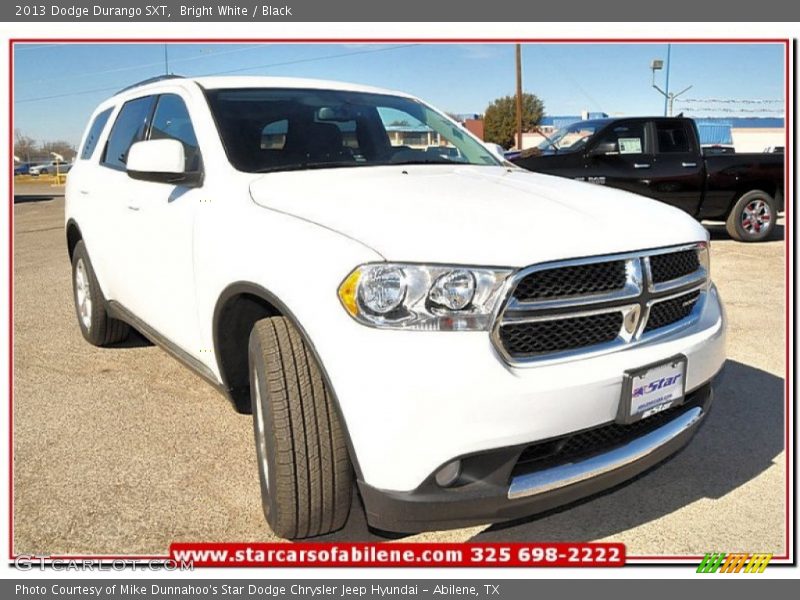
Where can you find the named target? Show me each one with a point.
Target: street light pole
(669, 97)
(519, 96)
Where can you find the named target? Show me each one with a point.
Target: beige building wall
(756, 140)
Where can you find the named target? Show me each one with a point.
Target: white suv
(466, 341)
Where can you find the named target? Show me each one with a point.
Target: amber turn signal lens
(348, 292)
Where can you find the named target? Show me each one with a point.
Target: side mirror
(603, 149)
(160, 161)
(497, 150)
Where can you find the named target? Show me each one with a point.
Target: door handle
(688, 165)
(83, 192)
(641, 165)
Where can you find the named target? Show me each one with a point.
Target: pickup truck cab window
(336, 129)
(673, 137)
(129, 128)
(623, 138)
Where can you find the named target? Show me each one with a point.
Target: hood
(491, 216)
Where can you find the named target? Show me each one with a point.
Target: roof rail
(149, 80)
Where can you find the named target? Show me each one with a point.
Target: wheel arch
(237, 309)
(74, 235)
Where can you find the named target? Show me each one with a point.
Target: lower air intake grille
(541, 337)
(585, 443)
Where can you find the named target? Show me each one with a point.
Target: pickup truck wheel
(90, 306)
(303, 464)
(752, 218)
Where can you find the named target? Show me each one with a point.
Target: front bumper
(503, 493)
(412, 401)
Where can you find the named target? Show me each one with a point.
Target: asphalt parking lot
(123, 450)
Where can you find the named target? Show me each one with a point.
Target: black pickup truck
(662, 158)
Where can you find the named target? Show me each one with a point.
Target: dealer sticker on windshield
(652, 389)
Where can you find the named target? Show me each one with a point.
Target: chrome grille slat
(543, 321)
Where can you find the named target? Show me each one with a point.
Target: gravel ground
(122, 451)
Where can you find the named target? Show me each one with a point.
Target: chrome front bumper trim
(548, 480)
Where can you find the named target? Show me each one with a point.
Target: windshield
(572, 138)
(267, 130)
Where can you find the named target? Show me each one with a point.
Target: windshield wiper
(426, 161)
(310, 165)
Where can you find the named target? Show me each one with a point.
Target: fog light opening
(448, 474)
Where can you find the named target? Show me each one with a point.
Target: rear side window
(171, 122)
(94, 134)
(130, 127)
(673, 137)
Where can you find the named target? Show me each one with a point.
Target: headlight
(382, 289)
(426, 297)
(453, 290)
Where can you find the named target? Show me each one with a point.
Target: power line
(18, 47)
(731, 100)
(226, 72)
(142, 65)
(80, 93)
(305, 60)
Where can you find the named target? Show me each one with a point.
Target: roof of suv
(227, 82)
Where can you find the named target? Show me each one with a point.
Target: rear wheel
(304, 467)
(753, 217)
(90, 306)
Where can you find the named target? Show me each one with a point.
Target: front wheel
(303, 464)
(90, 306)
(753, 217)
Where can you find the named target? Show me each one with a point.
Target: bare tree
(61, 147)
(24, 146)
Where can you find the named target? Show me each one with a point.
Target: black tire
(303, 464)
(97, 328)
(753, 217)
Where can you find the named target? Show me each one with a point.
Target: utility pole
(519, 95)
(166, 61)
(666, 83)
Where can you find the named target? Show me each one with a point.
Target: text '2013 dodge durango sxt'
(403, 312)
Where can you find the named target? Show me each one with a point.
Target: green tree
(500, 118)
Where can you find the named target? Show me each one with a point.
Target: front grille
(665, 267)
(581, 445)
(578, 280)
(671, 311)
(554, 312)
(541, 337)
